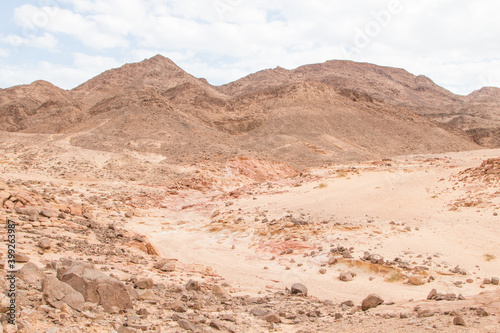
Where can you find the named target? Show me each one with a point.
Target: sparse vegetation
(489, 257)
(323, 185)
(395, 276)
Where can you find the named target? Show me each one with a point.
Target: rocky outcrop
(97, 287)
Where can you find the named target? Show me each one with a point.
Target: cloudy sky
(66, 42)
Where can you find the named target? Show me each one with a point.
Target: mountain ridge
(315, 114)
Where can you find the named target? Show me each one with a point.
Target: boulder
(56, 293)
(273, 318)
(45, 243)
(193, 285)
(459, 321)
(21, 258)
(97, 287)
(346, 276)
(32, 275)
(371, 301)
(416, 280)
(4, 303)
(4, 196)
(299, 289)
(144, 284)
(49, 213)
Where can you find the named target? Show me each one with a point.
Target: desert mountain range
(336, 111)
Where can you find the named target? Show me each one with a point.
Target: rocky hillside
(316, 114)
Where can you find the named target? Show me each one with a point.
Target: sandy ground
(432, 216)
(413, 192)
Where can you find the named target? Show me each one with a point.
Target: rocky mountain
(315, 114)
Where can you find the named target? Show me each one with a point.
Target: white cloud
(82, 69)
(453, 42)
(87, 30)
(4, 53)
(45, 41)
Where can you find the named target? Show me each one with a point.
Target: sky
(67, 42)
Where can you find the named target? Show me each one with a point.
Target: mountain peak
(159, 60)
(158, 72)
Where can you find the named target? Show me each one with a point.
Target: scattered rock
(31, 274)
(187, 325)
(220, 292)
(45, 243)
(4, 303)
(193, 285)
(126, 329)
(495, 281)
(49, 213)
(332, 261)
(299, 289)
(97, 287)
(168, 267)
(21, 258)
(178, 306)
(459, 321)
(346, 276)
(217, 324)
(273, 318)
(371, 301)
(416, 280)
(482, 312)
(144, 284)
(56, 293)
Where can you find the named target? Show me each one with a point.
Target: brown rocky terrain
(106, 256)
(306, 200)
(314, 115)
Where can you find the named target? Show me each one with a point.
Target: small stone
(322, 270)
(487, 281)
(220, 292)
(49, 213)
(459, 321)
(416, 280)
(332, 261)
(21, 258)
(144, 283)
(178, 306)
(299, 289)
(125, 329)
(168, 267)
(346, 276)
(432, 295)
(187, 325)
(482, 312)
(426, 313)
(495, 281)
(193, 285)
(258, 312)
(371, 301)
(228, 317)
(217, 324)
(273, 318)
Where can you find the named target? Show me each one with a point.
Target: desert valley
(335, 197)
